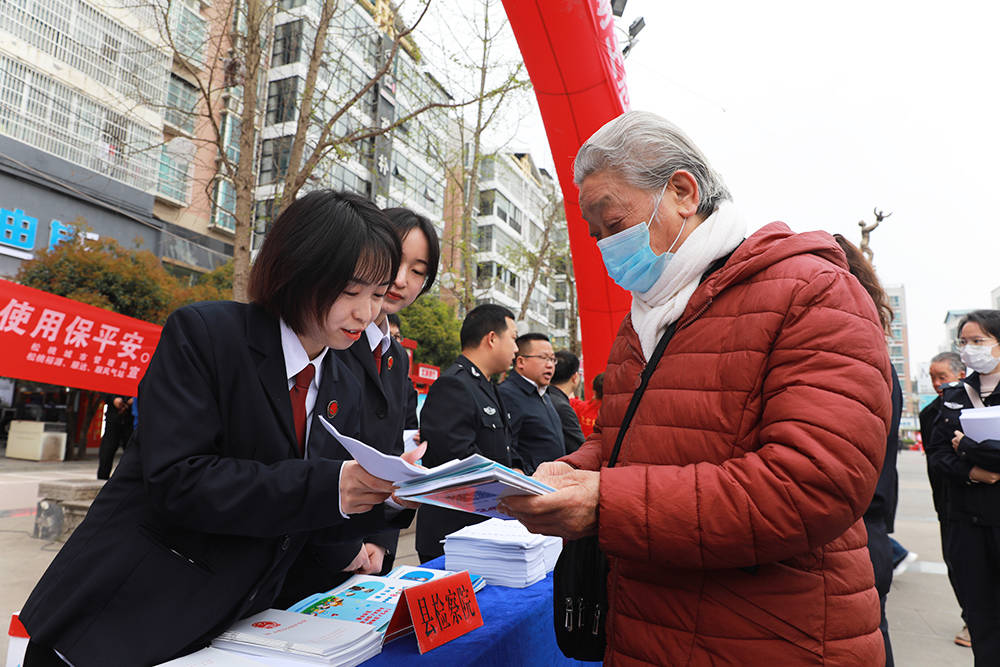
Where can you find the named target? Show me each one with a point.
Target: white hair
(647, 150)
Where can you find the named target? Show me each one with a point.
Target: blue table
(516, 630)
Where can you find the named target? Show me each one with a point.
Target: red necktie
(377, 353)
(298, 395)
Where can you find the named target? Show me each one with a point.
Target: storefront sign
(19, 231)
(52, 339)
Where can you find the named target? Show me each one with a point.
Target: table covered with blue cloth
(516, 630)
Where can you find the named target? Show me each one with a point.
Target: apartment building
(517, 202)
(86, 133)
(404, 167)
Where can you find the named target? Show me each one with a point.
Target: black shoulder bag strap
(654, 359)
(647, 373)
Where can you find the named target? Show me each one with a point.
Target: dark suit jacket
(209, 506)
(388, 405)
(572, 433)
(462, 415)
(928, 416)
(537, 430)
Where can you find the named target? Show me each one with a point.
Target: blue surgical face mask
(630, 259)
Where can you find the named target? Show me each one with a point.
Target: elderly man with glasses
(537, 429)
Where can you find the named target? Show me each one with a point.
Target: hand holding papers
(570, 512)
(474, 484)
(981, 423)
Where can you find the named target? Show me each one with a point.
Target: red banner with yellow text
(52, 339)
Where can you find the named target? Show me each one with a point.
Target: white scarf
(664, 302)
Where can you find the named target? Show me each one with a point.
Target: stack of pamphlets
(474, 484)
(373, 600)
(503, 552)
(981, 423)
(286, 636)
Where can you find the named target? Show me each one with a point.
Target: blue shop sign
(19, 230)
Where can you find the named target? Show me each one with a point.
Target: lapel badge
(331, 409)
(474, 372)
(490, 410)
(389, 362)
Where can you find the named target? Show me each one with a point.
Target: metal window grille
(44, 113)
(91, 42)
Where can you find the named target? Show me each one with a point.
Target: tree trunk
(258, 12)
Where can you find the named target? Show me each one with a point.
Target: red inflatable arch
(572, 56)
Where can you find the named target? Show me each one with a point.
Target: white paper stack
(289, 636)
(981, 423)
(503, 552)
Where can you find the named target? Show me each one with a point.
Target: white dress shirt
(378, 336)
(295, 360)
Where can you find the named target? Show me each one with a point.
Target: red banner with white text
(52, 339)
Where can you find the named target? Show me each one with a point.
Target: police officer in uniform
(464, 415)
(971, 472)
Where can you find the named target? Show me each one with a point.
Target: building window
(485, 238)
(182, 98)
(262, 221)
(287, 43)
(281, 98)
(562, 291)
(274, 156)
(188, 29)
(230, 125)
(174, 176)
(224, 205)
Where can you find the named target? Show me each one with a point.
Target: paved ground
(923, 614)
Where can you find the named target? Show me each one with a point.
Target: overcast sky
(816, 115)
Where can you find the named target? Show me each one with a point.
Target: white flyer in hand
(377, 464)
(981, 423)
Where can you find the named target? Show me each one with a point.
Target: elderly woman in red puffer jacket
(732, 521)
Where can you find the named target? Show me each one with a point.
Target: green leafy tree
(105, 274)
(432, 323)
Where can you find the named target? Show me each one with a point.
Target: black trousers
(880, 552)
(945, 526)
(117, 432)
(973, 551)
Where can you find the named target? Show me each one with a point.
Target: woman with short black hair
(230, 474)
(970, 470)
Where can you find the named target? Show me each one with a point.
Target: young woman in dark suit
(382, 366)
(229, 475)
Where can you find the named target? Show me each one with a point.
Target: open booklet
(372, 600)
(344, 626)
(474, 484)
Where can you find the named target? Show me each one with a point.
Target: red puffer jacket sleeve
(820, 445)
(588, 455)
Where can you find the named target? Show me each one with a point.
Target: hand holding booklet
(474, 484)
